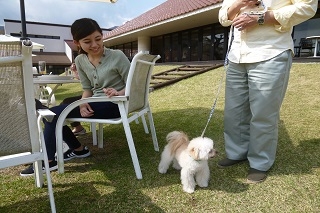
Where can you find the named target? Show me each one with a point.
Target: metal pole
(23, 20)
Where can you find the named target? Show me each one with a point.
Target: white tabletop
(54, 81)
(311, 37)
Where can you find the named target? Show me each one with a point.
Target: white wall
(51, 45)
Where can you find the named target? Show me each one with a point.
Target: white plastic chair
(134, 104)
(21, 137)
(45, 95)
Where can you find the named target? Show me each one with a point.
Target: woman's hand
(85, 110)
(110, 92)
(73, 68)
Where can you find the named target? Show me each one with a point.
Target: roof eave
(179, 23)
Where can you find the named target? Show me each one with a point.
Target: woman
(102, 72)
(260, 59)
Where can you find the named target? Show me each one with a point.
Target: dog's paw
(176, 166)
(188, 190)
(162, 169)
(203, 184)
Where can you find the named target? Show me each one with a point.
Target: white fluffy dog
(191, 157)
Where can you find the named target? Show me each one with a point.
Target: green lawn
(106, 182)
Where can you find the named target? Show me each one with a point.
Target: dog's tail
(176, 139)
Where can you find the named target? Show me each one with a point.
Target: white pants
(253, 97)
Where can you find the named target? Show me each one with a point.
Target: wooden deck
(189, 69)
(174, 75)
(309, 59)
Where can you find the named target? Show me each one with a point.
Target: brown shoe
(256, 176)
(228, 162)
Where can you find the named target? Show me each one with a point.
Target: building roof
(72, 45)
(168, 10)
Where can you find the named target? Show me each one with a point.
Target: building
(59, 51)
(185, 30)
(1, 30)
(178, 30)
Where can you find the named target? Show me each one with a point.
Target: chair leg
(133, 152)
(94, 133)
(59, 145)
(50, 190)
(145, 126)
(51, 97)
(100, 136)
(153, 131)
(49, 182)
(38, 173)
(132, 148)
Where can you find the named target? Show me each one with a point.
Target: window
(175, 47)
(194, 45)
(219, 43)
(185, 46)
(156, 47)
(207, 44)
(36, 36)
(167, 48)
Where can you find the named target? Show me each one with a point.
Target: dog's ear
(194, 153)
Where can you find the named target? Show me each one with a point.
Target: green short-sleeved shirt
(111, 72)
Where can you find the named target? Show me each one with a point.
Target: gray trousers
(253, 96)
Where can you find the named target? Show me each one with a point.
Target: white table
(56, 82)
(317, 38)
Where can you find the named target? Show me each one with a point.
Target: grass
(106, 182)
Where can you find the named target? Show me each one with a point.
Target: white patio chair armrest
(46, 114)
(67, 110)
(113, 99)
(102, 99)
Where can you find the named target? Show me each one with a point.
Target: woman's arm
(87, 94)
(113, 92)
(85, 109)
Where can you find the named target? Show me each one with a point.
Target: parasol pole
(23, 20)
